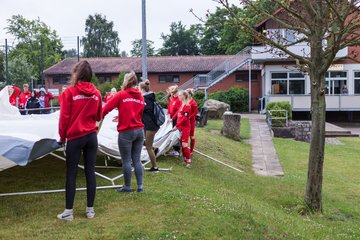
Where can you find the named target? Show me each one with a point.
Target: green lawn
(209, 201)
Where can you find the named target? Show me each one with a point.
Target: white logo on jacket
(133, 100)
(79, 97)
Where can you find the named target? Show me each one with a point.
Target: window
(287, 83)
(244, 77)
(103, 79)
(357, 83)
(285, 36)
(336, 82)
(169, 78)
(62, 79)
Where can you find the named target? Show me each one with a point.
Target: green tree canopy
(100, 39)
(36, 42)
(180, 41)
(137, 48)
(20, 70)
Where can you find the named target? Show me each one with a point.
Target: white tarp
(24, 138)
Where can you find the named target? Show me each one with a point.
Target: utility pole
(6, 63)
(249, 85)
(144, 43)
(78, 48)
(42, 63)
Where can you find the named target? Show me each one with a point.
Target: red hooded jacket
(183, 117)
(79, 110)
(48, 96)
(194, 110)
(130, 103)
(23, 98)
(12, 98)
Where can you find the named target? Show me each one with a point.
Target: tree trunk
(313, 195)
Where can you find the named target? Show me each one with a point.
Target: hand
(174, 128)
(169, 120)
(115, 119)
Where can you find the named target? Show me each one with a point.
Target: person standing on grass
(130, 104)
(24, 97)
(193, 113)
(149, 120)
(80, 109)
(174, 104)
(14, 92)
(183, 124)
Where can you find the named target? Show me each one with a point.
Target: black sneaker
(152, 169)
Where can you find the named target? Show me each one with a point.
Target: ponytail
(130, 80)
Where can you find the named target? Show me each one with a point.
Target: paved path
(265, 159)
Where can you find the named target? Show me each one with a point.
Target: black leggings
(88, 145)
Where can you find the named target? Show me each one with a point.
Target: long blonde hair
(171, 91)
(130, 80)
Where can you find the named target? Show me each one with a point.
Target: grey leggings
(130, 145)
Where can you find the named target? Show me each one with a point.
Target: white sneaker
(66, 216)
(90, 213)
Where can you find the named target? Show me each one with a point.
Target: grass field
(209, 201)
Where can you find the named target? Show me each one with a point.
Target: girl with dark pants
(130, 104)
(149, 120)
(80, 110)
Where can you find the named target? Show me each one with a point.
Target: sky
(68, 17)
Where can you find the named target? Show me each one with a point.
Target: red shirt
(23, 98)
(48, 96)
(194, 110)
(79, 110)
(12, 98)
(130, 104)
(173, 106)
(183, 117)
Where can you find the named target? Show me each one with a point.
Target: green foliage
(100, 40)
(70, 53)
(119, 81)
(2, 66)
(20, 71)
(40, 45)
(95, 81)
(236, 97)
(180, 41)
(279, 106)
(137, 48)
(161, 99)
(199, 97)
(105, 87)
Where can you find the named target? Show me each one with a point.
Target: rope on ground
(218, 161)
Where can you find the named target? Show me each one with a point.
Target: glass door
(336, 87)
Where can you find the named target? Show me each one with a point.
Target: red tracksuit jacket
(173, 107)
(194, 110)
(183, 117)
(12, 98)
(79, 110)
(130, 103)
(23, 98)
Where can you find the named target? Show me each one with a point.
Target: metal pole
(78, 48)
(6, 63)
(250, 86)
(144, 43)
(42, 63)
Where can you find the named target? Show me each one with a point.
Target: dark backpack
(159, 115)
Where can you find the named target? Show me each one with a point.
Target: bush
(236, 97)
(279, 106)
(161, 99)
(105, 87)
(95, 81)
(199, 98)
(119, 81)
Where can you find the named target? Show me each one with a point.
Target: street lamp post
(144, 43)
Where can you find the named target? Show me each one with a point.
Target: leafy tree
(123, 54)
(137, 48)
(20, 71)
(180, 41)
(2, 66)
(118, 82)
(100, 40)
(35, 41)
(95, 80)
(326, 26)
(70, 53)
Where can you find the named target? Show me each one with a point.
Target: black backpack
(159, 115)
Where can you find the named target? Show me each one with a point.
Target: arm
(194, 110)
(65, 114)
(16, 91)
(99, 112)
(111, 104)
(51, 96)
(185, 115)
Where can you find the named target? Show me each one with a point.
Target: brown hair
(130, 80)
(145, 86)
(190, 91)
(82, 72)
(25, 85)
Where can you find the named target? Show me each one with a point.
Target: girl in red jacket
(80, 109)
(174, 104)
(14, 92)
(194, 111)
(130, 104)
(183, 124)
